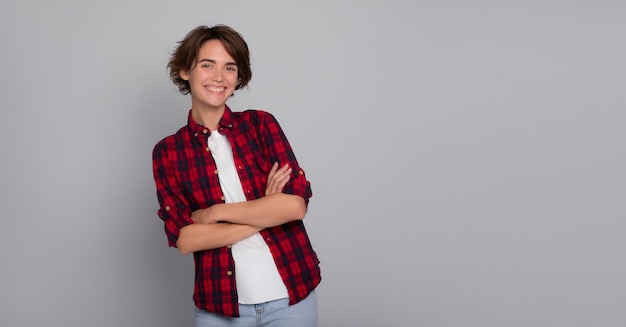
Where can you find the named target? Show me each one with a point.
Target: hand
(277, 179)
(205, 216)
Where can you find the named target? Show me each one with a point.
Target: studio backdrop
(467, 158)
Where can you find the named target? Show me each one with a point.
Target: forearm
(268, 211)
(198, 237)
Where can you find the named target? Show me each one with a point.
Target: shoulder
(254, 119)
(170, 142)
(253, 114)
(258, 117)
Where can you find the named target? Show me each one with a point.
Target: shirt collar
(226, 122)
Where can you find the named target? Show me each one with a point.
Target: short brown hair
(185, 56)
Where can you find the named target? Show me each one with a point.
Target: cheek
(234, 80)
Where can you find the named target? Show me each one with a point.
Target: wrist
(214, 215)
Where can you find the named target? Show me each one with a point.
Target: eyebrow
(230, 63)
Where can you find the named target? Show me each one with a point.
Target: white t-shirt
(256, 273)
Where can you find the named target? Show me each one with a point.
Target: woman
(232, 193)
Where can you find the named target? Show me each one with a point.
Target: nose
(218, 75)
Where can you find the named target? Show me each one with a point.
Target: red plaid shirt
(186, 180)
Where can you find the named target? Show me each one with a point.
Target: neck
(208, 117)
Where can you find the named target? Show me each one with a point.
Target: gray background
(467, 157)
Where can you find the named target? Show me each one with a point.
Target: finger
(272, 171)
(284, 167)
(196, 216)
(277, 184)
(284, 170)
(271, 179)
(283, 181)
(282, 174)
(269, 188)
(277, 174)
(277, 178)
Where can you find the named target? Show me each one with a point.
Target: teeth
(216, 89)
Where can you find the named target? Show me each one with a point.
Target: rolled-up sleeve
(173, 209)
(279, 150)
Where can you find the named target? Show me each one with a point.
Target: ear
(184, 74)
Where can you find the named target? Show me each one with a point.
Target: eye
(206, 65)
(231, 68)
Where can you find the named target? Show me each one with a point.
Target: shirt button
(205, 131)
(230, 125)
(230, 246)
(167, 208)
(196, 134)
(229, 273)
(301, 172)
(223, 198)
(207, 149)
(239, 167)
(215, 171)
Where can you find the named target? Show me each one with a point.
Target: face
(214, 77)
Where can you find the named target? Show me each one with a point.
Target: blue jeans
(268, 314)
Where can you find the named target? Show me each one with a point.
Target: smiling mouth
(216, 89)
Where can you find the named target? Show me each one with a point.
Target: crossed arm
(227, 223)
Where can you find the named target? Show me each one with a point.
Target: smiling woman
(187, 55)
(212, 80)
(232, 193)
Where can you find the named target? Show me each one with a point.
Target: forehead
(214, 50)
